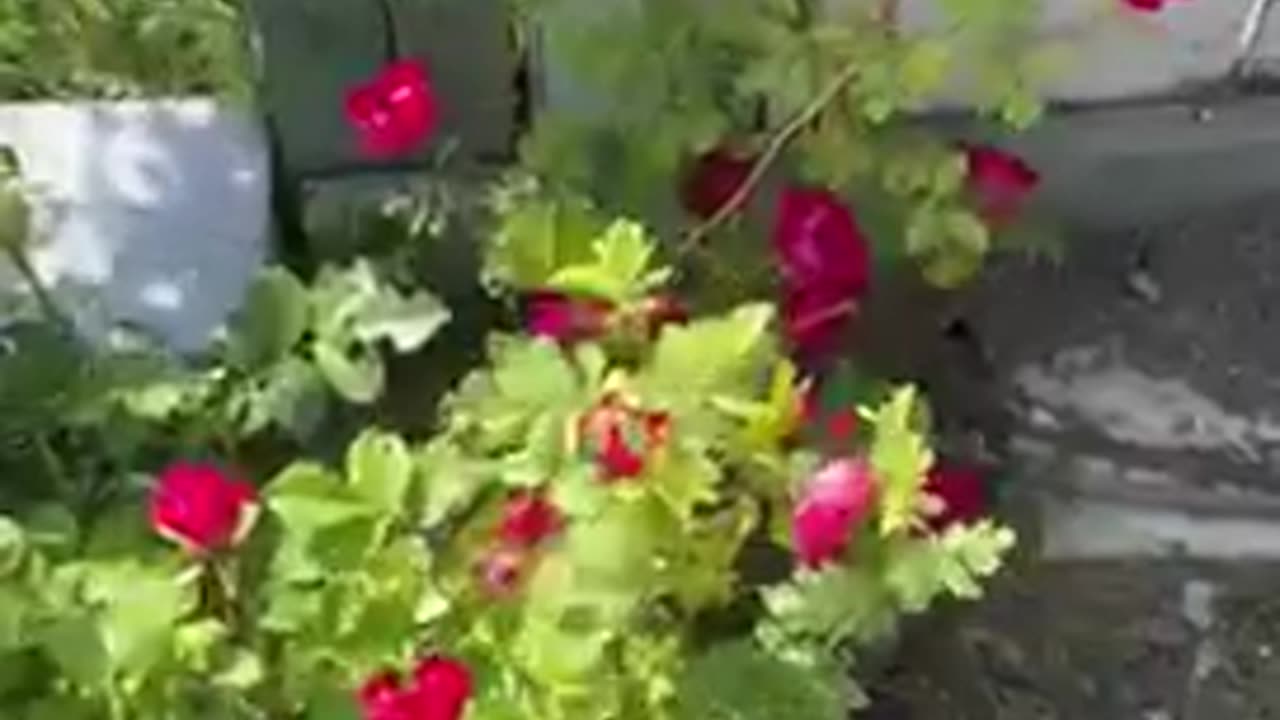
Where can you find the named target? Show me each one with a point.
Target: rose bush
(654, 497)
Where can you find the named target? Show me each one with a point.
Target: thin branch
(48, 306)
(783, 137)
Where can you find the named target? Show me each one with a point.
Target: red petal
(527, 519)
(962, 493)
(442, 687)
(818, 242)
(198, 506)
(835, 500)
(1001, 181)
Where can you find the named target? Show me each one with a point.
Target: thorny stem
(18, 258)
(783, 137)
(694, 241)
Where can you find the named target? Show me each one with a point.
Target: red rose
(381, 698)
(622, 438)
(566, 319)
(440, 690)
(713, 181)
(819, 243)
(394, 112)
(200, 508)
(960, 492)
(1147, 6)
(815, 318)
(1001, 182)
(833, 503)
(528, 518)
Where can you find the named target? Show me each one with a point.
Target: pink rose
(394, 112)
(200, 508)
(832, 505)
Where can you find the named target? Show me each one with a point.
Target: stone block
(151, 213)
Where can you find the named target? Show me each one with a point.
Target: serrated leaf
(450, 480)
(620, 270)
(272, 320)
(537, 237)
(407, 322)
(901, 457)
(740, 681)
(380, 470)
(357, 377)
(308, 498)
(717, 355)
(76, 645)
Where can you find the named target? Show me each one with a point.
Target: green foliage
(118, 48)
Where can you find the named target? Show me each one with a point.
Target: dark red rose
(815, 318)
(819, 244)
(961, 494)
(200, 508)
(528, 518)
(712, 182)
(395, 111)
(566, 319)
(1001, 182)
(832, 505)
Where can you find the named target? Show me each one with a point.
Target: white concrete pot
(154, 213)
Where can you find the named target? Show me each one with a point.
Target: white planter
(159, 209)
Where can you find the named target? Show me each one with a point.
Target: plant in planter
(658, 499)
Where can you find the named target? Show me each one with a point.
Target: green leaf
(719, 355)
(740, 681)
(537, 236)
(358, 376)
(920, 569)
(620, 270)
(15, 609)
(449, 479)
(380, 470)
(13, 546)
(272, 321)
(685, 481)
(143, 608)
(901, 457)
(76, 645)
(308, 498)
(407, 322)
(831, 607)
